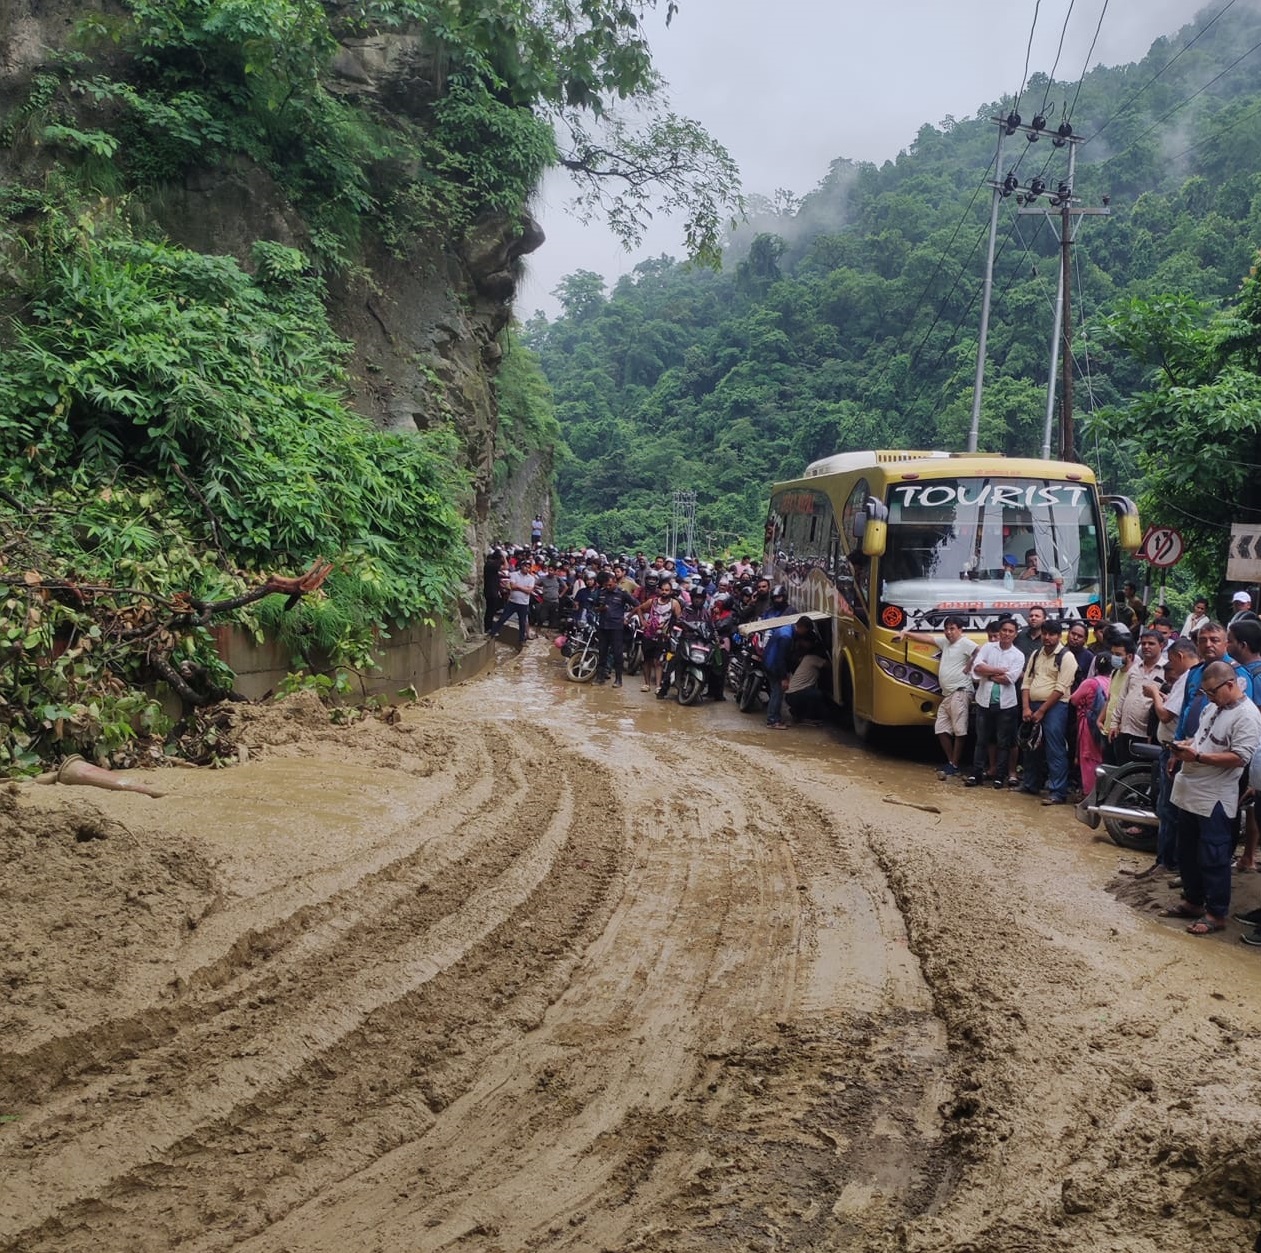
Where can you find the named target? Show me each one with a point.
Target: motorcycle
(738, 662)
(746, 675)
(697, 656)
(634, 659)
(1124, 800)
(581, 650)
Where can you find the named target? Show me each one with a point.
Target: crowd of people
(1041, 706)
(545, 589)
(1037, 709)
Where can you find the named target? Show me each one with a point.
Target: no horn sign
(1162, 546)
(1244, 564)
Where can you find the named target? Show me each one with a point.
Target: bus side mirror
(875, 537)
(1129, 532)
(1129, 529)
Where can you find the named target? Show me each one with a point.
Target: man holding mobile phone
(1206, 795)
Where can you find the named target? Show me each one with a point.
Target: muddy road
(550, 967)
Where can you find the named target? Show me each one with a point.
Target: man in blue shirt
(1210, 643)
(611, 606)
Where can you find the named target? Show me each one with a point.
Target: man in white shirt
(520, 589)
(954, 675)
(1206, 793)
(998, 669)
(1167, 706)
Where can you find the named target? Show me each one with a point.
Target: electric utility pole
(1070, 212)
(979, 382)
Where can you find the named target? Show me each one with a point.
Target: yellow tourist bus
(884, 542)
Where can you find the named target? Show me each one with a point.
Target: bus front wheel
(861, 727)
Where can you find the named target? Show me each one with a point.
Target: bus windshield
(992, 541)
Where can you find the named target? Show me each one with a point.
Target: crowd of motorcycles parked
(708, 647)
(697, 655)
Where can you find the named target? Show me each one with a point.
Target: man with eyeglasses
(1206, 795)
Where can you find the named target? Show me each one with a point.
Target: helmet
(779, 592)
(1029, 737)
(722, 601)
(650, 580)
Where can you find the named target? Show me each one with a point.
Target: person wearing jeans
(1206, 792)
(1044, 693)
(1167, 705)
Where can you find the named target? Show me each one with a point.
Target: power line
(1050, 82)
(941, 308)
(1181, 52)
(1181, 105)
(1081, 297)
(1024, 82)
(941, 260)
(967, 312)
(1224, 130)
(1086, 64)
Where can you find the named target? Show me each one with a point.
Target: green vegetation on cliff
(174, 425)
(848, 319)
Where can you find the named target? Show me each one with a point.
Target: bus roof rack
(840, 463)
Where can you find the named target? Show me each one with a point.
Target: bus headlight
(912, 676)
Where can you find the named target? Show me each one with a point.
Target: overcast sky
(790, 85)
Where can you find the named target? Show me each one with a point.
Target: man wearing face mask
(1132, 707)
(1120, 655)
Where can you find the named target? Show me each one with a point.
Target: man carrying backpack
(1044, 692)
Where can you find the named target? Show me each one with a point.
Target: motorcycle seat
(1145, 752)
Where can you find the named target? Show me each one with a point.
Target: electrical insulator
(1063, 134)
(1038, 123)
(1036, 188)
(1013, 121)
(1064, 192)
(1010, 183)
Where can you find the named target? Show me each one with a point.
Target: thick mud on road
(552, 967)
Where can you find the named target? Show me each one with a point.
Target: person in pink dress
(1090, 699)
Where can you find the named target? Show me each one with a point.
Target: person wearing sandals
(998, 669)
(1206, 795)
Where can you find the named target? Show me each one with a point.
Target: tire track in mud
(820, 1128)
(224, 951)
(534, 1141)
(1087, 1103)
(677, 1046)
(295, 1016)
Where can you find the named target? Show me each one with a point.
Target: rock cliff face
(424, 328)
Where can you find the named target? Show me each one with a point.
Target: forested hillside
(849, 318)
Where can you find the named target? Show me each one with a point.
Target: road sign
(1244, 564)
(1162, 546)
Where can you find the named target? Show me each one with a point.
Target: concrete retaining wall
(413, 657)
